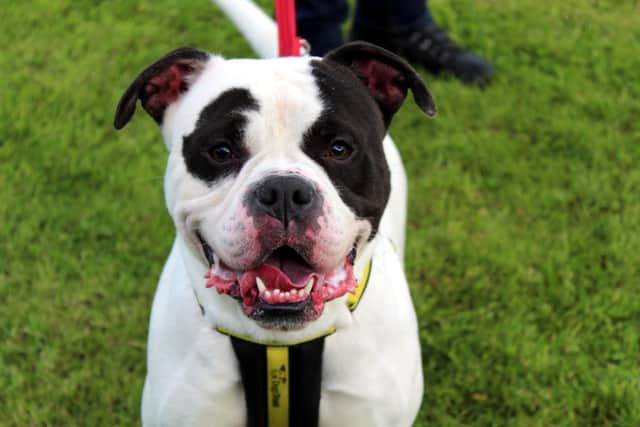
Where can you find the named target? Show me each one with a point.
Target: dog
(285, 192)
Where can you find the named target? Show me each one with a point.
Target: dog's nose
(285, 198)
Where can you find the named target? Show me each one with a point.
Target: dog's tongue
(292, 275)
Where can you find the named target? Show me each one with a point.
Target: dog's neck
(224, 313)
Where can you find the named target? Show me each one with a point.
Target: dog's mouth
(284, 291)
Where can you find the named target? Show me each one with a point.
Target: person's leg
(406, 27)
(319, 23)
(392, 14)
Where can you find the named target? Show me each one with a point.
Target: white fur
(372, 367)
(372, 371)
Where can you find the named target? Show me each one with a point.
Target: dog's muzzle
(284, 291)
(281, 287)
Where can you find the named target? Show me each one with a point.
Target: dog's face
(276, 175)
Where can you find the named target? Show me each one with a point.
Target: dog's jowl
(283, 301)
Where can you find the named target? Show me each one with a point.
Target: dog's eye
(339, 149)
(221, 152)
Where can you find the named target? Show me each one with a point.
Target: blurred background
(523, 247)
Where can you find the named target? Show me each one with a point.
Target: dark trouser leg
(319, 23)
(392, 15)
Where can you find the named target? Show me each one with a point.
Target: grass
(524, 243)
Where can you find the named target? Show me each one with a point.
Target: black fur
(222, 121)
(351, 115)
(362, 87)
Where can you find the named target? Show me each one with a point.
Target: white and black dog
(285, 193)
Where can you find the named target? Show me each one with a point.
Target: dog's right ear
(161, 84)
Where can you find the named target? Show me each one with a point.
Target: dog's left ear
(386, 76)
(161, 84)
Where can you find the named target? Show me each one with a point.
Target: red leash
(288, 41)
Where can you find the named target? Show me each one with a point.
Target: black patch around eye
(220, 122)
(362, 179)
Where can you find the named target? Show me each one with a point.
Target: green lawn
(524, 226)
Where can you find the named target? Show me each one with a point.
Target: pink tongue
(274, 278)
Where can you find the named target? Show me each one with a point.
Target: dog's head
(276, 174)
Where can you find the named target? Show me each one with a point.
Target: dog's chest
(370, 370)
(358, 388)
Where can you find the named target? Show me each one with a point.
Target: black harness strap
(253, 369)
(305, 360)
(304, 374)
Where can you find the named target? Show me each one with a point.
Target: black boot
(429, 46)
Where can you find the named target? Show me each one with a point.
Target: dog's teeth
(276, 292)
(260, 284)
(267, 294)
(307, 289)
